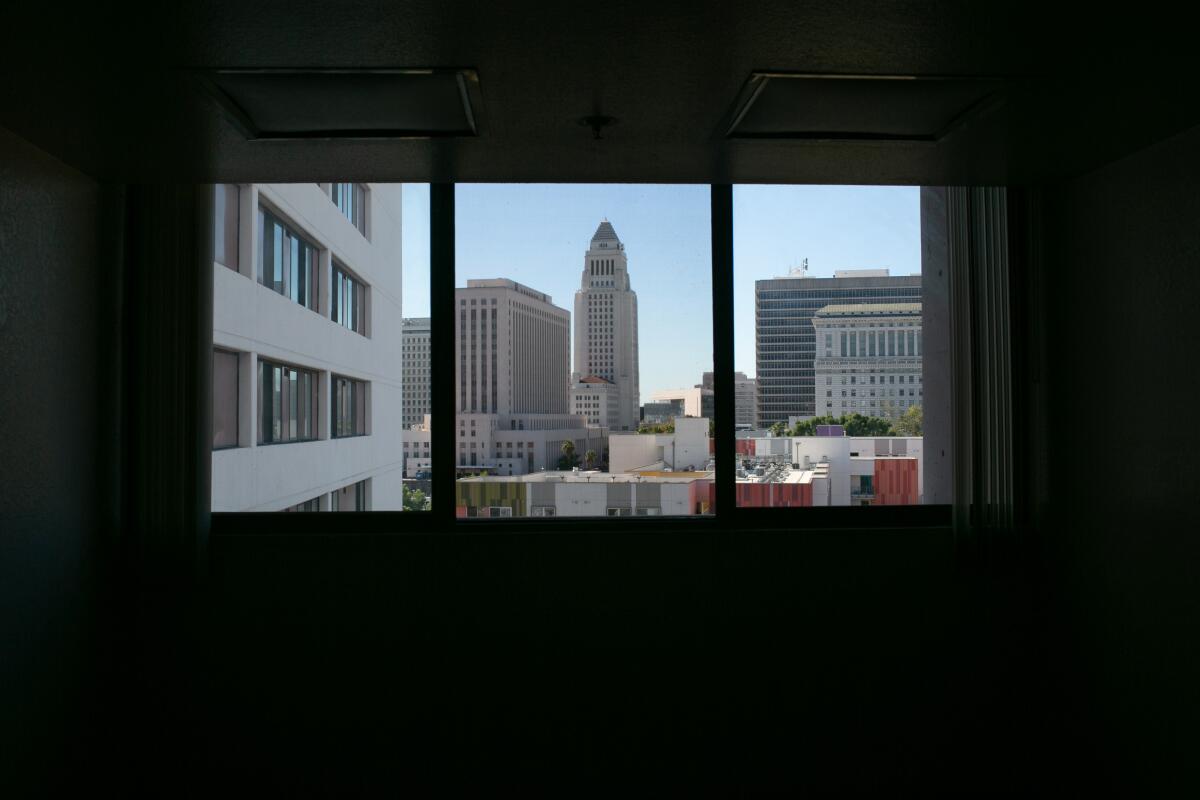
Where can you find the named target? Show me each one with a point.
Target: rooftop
(605, 233)
(868, 309)
(564, 476)
(505, 283)
(861, 273)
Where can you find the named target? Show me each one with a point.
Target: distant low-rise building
(685, 449)
(509, 444)
(744, 401)
(841, 470)
(660, 413)
(646, 493)
(695, 401)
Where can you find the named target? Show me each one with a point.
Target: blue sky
(537, 234)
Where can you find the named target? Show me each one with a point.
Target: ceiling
(109, 91)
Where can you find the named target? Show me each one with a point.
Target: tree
(777, 429)
(854, 424)
(808, 427)
(911, 422)
(568, 459)
(712, 428)
(414, 500)
(589, 458)
(858, 425)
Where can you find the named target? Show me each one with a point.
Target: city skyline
(666, 229)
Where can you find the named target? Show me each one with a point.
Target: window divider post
(442, 365)
(722, 316)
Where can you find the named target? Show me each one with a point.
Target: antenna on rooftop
(800, 271)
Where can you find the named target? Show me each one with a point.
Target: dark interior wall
(850, 660)
(54, 503)
(1122, 274)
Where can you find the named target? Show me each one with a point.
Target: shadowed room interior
(149, 647)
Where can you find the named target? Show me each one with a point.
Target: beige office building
(868, 359)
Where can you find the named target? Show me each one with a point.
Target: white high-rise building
(307, 383)
(606, 324)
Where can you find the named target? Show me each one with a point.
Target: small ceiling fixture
(831, 107)
(598, 122)
(347, 103)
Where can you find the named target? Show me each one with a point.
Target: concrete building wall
(629, 451)
(895, 481)
(259, 323)
(687, 448)
(598, 403)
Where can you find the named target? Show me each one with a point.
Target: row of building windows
(287, 402)
(351, 200)
(288, 263)
(890, 393)
(869, 379)
(825, 295)
(352, 497)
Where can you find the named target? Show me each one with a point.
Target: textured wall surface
(51, 481)
(1122, 271)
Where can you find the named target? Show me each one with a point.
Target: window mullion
(442, 361)
(722, 311)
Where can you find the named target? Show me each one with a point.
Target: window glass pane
(225, 399)
(584, 389)
(277, 257)
(225, 218)
(857, 279)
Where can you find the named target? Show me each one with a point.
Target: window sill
(790, 521)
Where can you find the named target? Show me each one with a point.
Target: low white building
(586, 494)
(868, 359)
(842, 460)
(307, 359)
(685, 449)
(509, 444)
(695, 401)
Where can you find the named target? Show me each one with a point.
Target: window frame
(358, 204)
(360, 396)
(265, 213)
(726, 516)
(314, 402)
(237, 397)
(358, 297)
